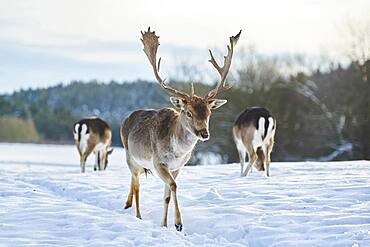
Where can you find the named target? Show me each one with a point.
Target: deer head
(195, 111)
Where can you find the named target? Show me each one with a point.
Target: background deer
(164, 139)
(254, 132)
(93, 135)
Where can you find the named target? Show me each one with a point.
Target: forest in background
(320, 115)
(322, 108)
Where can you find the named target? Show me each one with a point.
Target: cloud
(44, 42)
(24, 65)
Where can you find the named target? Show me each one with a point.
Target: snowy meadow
(46, 201)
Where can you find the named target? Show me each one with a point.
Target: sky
(45, 42)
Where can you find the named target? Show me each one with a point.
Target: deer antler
(224, 70)
(151, 43)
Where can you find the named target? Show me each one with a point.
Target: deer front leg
(167, 199)
(96, 164)
(165, 174)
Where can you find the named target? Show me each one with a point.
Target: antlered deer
(254, 132)
(93, 135)
(164, 139)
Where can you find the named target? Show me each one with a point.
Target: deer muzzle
(203, 135)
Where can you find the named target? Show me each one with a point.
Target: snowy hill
(46, 201)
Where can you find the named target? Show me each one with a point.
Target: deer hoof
(178, 227)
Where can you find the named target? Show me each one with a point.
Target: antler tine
(192, 89)
(224, 70)
(151, 43)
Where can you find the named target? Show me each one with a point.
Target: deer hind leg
(268, 157)
(242, 160)
(241, 151)
(82, 164)
(130, 194)
(167, 199)
(264, 159)
(136, 190)
(267, 167)
(165, 174)
(134, 186)
(84, 156)
(252, 157)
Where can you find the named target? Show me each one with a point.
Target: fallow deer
(93, 135)
(254, 132)
(163, 140)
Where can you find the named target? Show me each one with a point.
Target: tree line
(322, 115)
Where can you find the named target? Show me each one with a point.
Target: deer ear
(177, 102)
(216, 103)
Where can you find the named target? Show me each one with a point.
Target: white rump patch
(271, 124)
(270, 130)
(258, 141)
(84, 138)
(261, 126)
(75, 133)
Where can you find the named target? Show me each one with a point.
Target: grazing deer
(163, 140)
(254, 132)
(93, 135)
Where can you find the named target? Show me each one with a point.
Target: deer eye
(188, 113)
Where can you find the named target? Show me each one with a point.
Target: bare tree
(354, 37)
(354, 42)
(255, 70)
(186, 71)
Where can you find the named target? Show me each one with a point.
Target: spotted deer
(163, 140)
(254, 132)
(93, 135)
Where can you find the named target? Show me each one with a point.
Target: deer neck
(183, 138)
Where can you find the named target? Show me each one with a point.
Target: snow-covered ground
(46, 201)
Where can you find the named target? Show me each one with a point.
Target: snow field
(46, 201)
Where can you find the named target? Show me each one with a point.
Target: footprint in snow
(212, 195)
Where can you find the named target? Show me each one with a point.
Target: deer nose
(204, 134)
